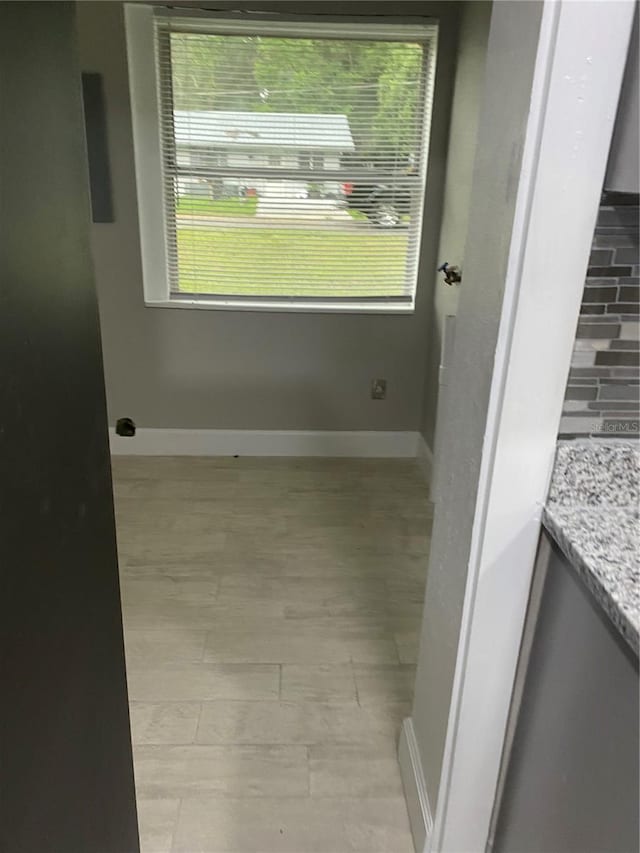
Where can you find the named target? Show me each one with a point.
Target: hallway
(271, 611)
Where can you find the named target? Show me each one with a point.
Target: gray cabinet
(623, 168)
(570, 776)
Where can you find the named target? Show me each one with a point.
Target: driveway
(305, 209)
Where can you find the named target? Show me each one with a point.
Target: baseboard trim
(221, 442)
(424, 456)
(415, 789)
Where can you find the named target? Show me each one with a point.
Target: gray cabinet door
(623, 172)
(571, 781)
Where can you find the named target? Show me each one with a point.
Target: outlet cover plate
(378, 389)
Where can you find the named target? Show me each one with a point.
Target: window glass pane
(341, 123)
(280, 237)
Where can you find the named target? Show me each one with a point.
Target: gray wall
(472, 51)
(221, 369)
(511, 55)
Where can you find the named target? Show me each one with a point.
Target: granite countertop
(592, 513)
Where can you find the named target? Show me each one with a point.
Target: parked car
(384, 204)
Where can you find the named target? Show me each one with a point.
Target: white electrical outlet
(378, 389)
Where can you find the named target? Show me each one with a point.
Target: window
(279, 164)
(311, 160)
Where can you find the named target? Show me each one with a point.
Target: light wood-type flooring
(271, 611)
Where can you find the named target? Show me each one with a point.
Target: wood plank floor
(271, 611)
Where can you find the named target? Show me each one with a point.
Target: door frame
(577, 75)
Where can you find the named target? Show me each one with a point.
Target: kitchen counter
(592, 514)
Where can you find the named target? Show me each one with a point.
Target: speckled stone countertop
(592, 513)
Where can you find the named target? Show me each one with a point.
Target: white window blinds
(293, 158)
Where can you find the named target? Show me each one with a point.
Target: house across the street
(208, 140)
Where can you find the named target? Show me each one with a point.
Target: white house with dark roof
(257, 140)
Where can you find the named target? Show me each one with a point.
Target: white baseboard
(415, 789)
(222, 442)
(425, 458)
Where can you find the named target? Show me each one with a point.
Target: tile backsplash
(603, 391)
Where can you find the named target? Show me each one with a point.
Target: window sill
(285, 307)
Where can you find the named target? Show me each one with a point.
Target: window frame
(156, 231)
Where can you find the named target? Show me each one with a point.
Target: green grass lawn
(357, 215)
(291, 262)
(219, 207)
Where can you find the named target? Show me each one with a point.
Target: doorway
(272, 606)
